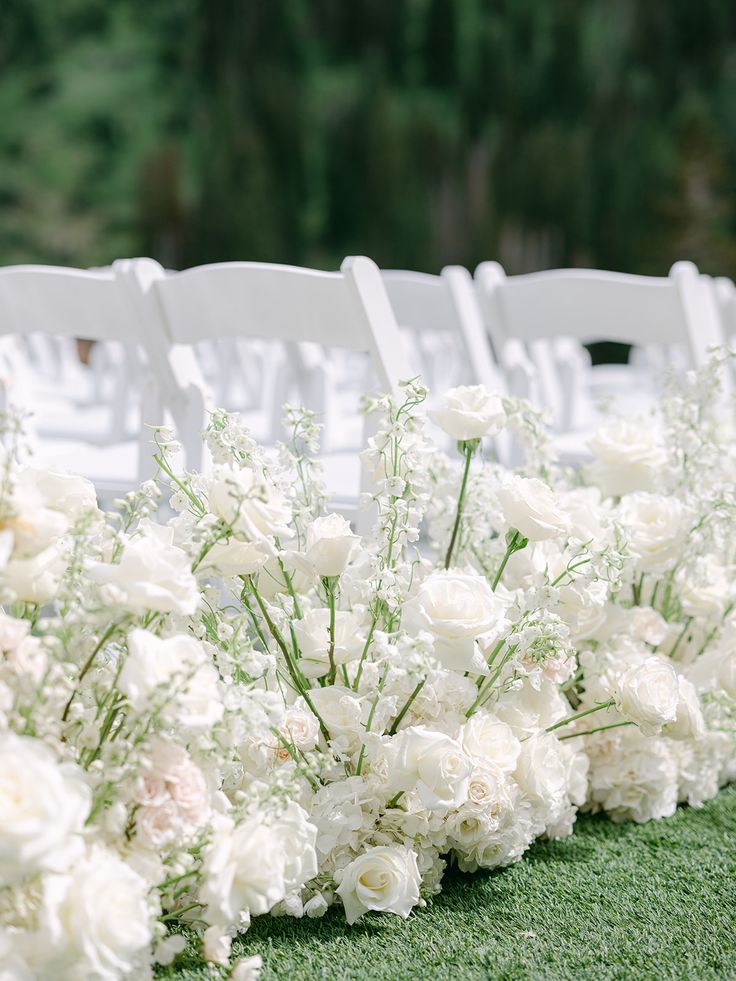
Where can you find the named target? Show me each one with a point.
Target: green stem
(580, 715)
(515, 544)
(330, 589)
(87, 665)
(588, 732)
(469, 448)
(407, 705)
(369, 721)
(364, 654)
(395, 800)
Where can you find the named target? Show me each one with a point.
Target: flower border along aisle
(251, 709)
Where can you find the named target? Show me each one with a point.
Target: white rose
(158, 826)
(251, 866)
(236, 557)
(706, 592)
(301, 728)
(313, 637)
(648, 694)
(541, 771)
(330, 547)
(529, 505)
(655, 528)
(689, 723)
(486, 738)
(217, 945)
(726, 673)
(153, 574)
(251, 505)
(96, 917)
(648, 625)
(177, 667)
(12, 632)
(340, 709)
(383, 878)
(68, 493)
(457, 609)
(36, 579)
(434, 764)
(630, 456)
(43, 808)
(188, 789)
(470, 412)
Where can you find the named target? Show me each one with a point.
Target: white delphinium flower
(382, 878)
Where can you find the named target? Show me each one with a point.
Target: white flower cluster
(249, 708)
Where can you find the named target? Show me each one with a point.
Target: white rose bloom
(340, 708)
(251, 866)
(470, 412)
(655, 528)
(689, 723)
(648, 625)
(96, 918)
(36, 579)
(486, 738)
(383, 878)
(529, 505)
(648, 694)
(706, 592)
(313, 637)
(153, 574)
(301, 728)
(251, 505)
(236, 557)
(541, 771)
(43, 808)
(12, 632)
(434, 764)
(630, 456)
(457, 609)
(178, 667)
(330, 547)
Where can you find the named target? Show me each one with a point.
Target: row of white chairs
(249, 336)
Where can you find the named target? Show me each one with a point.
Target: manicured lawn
(654, 902)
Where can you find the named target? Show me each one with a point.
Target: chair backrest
(548, 310)
(348, 309)
(725, 295)
(592, 305)
(62, 303)
(445, 305)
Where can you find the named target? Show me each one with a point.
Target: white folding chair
(70, 303)
(347, 310)
(725, 297)
(555, 312)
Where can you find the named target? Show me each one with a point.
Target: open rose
(383, 878)
(470, 412)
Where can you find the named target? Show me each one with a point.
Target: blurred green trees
(421, 132)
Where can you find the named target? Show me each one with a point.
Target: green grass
(654, 901)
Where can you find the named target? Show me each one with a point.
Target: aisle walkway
(653, 902)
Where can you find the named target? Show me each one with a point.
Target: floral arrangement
(249, 708)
